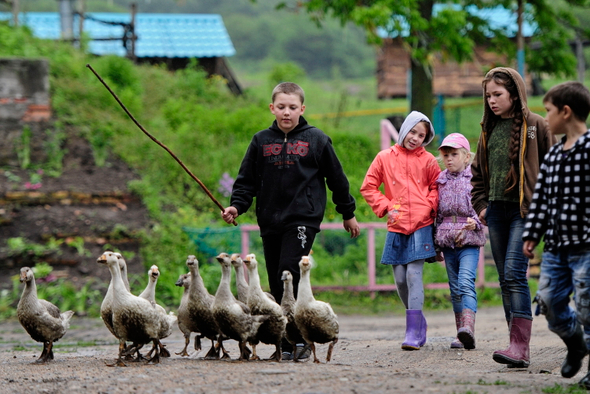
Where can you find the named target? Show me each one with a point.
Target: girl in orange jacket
(408, 173)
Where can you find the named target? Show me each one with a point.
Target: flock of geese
(252, 318)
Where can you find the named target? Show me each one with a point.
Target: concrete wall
(24, 101)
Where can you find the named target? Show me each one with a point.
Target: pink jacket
(411, 191)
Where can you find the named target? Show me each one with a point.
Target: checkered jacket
(560, 208)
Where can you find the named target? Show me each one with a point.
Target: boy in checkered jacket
(560, 210)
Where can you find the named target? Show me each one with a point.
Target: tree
(453, 31)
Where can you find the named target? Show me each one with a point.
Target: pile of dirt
(85, 209)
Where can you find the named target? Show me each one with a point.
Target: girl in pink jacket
(408, 173)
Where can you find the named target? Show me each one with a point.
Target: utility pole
(520, 39)
(15, 8)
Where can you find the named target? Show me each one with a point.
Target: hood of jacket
(412, 120)
(520, 87)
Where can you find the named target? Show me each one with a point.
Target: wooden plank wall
(450, 78)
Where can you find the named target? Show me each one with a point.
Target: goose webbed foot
(213, 353)
(163, 351)
(156, 358)
(184, 353)
(46, 354)
(277, 355)
(118, 363)
(244, 352)
(330, 348)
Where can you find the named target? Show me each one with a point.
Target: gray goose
(135, 319)
(106, 311)
(315, 319)
(241, 283)
(185, 323)
(199, 309)
(233, 317)
(42, 320)
(273, 329)
(292, 333)
(149, 293)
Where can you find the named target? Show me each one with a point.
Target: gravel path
(367, 359)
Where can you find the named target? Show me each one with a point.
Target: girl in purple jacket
(459, 235)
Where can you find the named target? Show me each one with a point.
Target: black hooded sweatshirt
(288, 173)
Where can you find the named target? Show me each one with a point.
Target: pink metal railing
(372, 286)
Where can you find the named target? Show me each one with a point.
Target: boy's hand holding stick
(159, 143)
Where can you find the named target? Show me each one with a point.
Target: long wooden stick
(159, 143)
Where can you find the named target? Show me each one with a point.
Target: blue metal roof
(159, 35)
(497, 17)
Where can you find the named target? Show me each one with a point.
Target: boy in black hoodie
(287, 167)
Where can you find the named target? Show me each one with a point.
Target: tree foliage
(453, 30)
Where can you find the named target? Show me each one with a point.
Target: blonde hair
(446, 149)
(288, 88)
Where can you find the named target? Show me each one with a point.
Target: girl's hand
(482, 217)
(471, 224)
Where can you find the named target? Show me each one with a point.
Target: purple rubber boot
(415, 330)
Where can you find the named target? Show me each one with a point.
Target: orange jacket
(409, 177)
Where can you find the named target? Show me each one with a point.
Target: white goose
(292, 333)
(40, 318)
(134, 318)
(273, 329)
(315, 319)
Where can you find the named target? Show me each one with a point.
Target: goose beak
(285, 275)
(102, 259)
(305, 261)
(179, 282)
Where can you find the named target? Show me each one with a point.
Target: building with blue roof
(172, 39)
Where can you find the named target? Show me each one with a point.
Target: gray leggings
(408, 280)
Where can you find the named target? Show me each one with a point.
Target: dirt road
(367, 359)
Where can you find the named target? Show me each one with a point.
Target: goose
(134, 318)
(233, 317)
(315, 319)
(241, 283)
(42, 320)
(273, 329)
(199, 309)
(185, 323)
(292, 333)
(106, 310)
(149, 294)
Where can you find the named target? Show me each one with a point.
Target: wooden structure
(450, 78)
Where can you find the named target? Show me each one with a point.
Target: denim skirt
(403, 249)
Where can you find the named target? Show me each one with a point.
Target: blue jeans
(461, 264)
(505, 226)
(563, 274)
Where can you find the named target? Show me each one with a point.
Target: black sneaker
(303, 352)
(287, 356)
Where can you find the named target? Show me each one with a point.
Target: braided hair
(502, 78)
